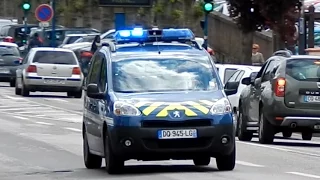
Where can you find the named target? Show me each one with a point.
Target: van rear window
(303, 69)
(55, 57)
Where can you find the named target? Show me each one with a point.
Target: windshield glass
(55, 57)
(9, 51)
(163, 75)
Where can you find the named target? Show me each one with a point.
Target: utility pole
(207, 8)
(53, 21)
(302, 33)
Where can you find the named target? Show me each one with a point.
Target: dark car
(156, 102)
(17, 32)
(283, 97)
(10, 60)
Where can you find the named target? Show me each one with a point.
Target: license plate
(312, 99)
(53, 81)
(177, 134)
(4, 71)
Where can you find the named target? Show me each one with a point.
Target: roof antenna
(155, 34)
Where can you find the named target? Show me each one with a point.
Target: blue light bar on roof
(153, 35)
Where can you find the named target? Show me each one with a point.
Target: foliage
(279, 15)
(198, 9)
(177, 14)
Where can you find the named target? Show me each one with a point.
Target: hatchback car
(50, 70)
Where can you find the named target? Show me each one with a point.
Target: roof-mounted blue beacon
(139, 35)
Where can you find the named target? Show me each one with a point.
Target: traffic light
(26, 6)
(208, 6)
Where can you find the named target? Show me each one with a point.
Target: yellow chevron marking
(140, 104)
(209, 103)
(177, 106)
(198, 106)
(151, 108)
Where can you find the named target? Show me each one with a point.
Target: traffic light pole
(53, 32)
(205, 31)
(25, 23)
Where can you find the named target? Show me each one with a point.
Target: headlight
(221, 107)
(125, 109)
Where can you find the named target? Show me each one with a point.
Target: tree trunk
(247, 41)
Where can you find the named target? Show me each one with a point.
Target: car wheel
(243, 135)
(17, 90)
(12, 83)
(24, 90)
(227, 162)
(91, 161)
(307, 136)
(114, 163)
(78, 94)
(286, 134)
(266, 131)
(202, 161)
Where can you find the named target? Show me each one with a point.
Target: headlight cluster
(221, 107)
(125, 109)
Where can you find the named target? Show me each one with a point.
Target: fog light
(127, 143)
(317, 127)
(224, 140)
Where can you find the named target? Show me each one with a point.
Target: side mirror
(230, 91)
(93, 92)
(246, 81)
(257, 82)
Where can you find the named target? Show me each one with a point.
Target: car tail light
(76, 71)
(280, 87)
(32, 69)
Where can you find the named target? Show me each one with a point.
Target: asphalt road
(40, 139)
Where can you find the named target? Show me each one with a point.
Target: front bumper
(145, 144)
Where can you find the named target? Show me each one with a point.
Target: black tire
(114, 163)
(17, 90)
(91, 161)
(243, 135)
(24, 90)
(12, 83)
(78, 94)
(227, 162)
(286, 134)
(266, 130)
(307, 136)
(202, 161)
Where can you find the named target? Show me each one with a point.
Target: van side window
(94, 74)
(103, 76)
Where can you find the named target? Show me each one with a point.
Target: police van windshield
(163, 75)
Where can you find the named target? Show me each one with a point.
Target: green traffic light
(208, 7)
(26, 6)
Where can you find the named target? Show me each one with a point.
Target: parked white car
(227, 70)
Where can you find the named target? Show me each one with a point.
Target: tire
(78, 94)
(24, 91)
(307, 136)
(227, 162)
(266, 130)
(114, 163)
(12, 83)
(286, 134)
(202, 161)
(243, 135)
(91, 161)
(17, 90)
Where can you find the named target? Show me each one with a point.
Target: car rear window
(304, 69)
(9, 51)
(55, 57)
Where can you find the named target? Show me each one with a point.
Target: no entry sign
(44, 13)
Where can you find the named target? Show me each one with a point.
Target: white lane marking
(73, 129)
(26, 108)
(13, 98)
(53, 99)
(248, 164)
(279, 149)
(304, 174)
(19, 117)
(44, 123)
(54, 112)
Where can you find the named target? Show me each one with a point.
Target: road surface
(40, 139)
